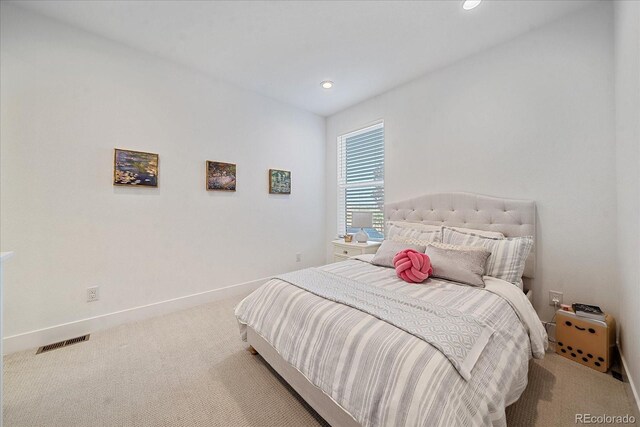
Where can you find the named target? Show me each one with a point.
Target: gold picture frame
(220, 176)
(279, 181)
(135, 168)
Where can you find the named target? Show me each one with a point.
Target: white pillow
(464, 266)
(508, 255)
(483, 233)
(413, 233)
(414, 225)
(456, 247)
(421, 239)
(414, 230)
(388, 250)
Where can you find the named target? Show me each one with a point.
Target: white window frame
(341, 175)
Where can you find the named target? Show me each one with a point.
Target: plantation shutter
(361, 178)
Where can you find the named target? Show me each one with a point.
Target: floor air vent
(61, 344)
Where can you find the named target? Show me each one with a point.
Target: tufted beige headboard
(511, 217)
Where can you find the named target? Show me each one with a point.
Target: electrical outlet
(298, 257)
(93, 294)
(555, 295)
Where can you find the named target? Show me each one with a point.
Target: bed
(355, 367)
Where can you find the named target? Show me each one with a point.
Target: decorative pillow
(388, 249)
(422, 232)
(414, 225)
(422, 239)
(508, 255)
(483, 233)
(459, 265)
(457, 247)
(412, 266)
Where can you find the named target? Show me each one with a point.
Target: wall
(68, 98)
(532, 119)
(627, 48)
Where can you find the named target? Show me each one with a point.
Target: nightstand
(586, 341)
(343, 250)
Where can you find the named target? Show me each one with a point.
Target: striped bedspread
(457, 335)
(383, 375)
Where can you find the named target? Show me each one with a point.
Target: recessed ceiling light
(470, 4)
(327, 84)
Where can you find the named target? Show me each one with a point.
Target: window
(361, 179)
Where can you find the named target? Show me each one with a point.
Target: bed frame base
(326, 407)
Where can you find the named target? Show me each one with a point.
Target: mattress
(383, 375)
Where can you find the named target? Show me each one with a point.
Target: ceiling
(285, 49)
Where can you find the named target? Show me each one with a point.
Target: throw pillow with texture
(508, 255)
(388, 249)
(465, 266)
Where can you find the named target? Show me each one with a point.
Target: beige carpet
(190, 369)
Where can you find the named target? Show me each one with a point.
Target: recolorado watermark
(605, 419)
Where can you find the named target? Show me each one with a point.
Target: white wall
(532, 119)
(627, 49)
(68, 98)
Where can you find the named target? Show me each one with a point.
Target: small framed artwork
(135, 168)
(221, 176)
(279, 181)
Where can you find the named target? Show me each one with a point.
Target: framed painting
(221, 176)
(135, 168)
(279, 181)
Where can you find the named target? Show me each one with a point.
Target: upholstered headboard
(511, 217)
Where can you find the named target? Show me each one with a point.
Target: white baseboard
(631, 383)
(64, 331)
